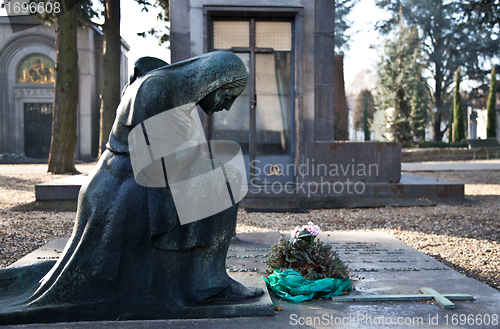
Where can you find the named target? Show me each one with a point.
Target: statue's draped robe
(128, 250)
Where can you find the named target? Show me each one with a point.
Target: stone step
(60, 189)
(411, 190)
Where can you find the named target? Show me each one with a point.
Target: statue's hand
(183, 126)
(179, 164)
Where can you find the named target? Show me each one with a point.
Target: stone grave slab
(49, 252)
(60, 189)
(387, 266)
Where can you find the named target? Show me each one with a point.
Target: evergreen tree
(491, 126)
(450, 39)
(420, 101)
(400, 84)
(458, 112)
(363, 112)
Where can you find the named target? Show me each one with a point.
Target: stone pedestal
(471, 124)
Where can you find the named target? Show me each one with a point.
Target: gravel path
(465, 237)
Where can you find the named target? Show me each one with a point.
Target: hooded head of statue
(213, 81)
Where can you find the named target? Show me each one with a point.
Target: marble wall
(40, 39)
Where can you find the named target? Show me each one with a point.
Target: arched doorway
(34, 74)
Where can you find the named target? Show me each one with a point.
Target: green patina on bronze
(128, 256)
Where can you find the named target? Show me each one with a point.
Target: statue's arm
(156, 96)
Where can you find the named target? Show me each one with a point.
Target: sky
(364, 16)
(133, 20)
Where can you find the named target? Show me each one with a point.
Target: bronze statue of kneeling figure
(129, 256)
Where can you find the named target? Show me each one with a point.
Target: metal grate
(228, 34)
(276, 35)
(37, 129)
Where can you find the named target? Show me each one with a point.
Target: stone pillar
(86, 92)
(324, 51)
(340, 105)
(96, 108)
(180, 36)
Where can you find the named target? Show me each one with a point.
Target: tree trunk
(438, 89)
(63, 143)
(438, 134)
(111, 92)
(491, 125)
(366, 129)
(458, 130)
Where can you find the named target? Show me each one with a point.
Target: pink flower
(314, 229)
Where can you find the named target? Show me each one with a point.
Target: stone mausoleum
(27, 79)
(286, 120)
